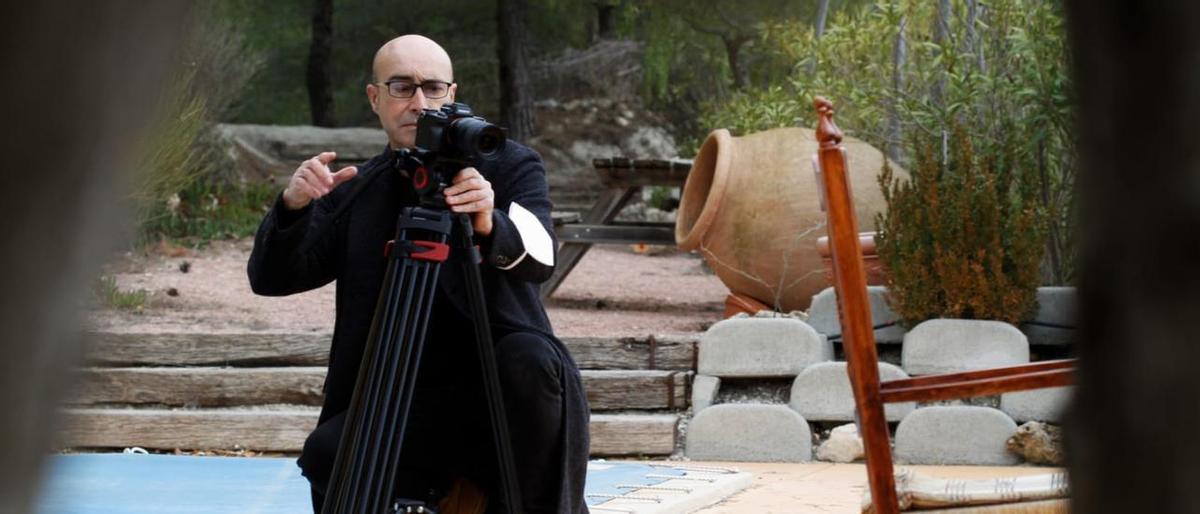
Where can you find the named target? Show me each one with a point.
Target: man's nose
(418, 102)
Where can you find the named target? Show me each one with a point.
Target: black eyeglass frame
(387, 86)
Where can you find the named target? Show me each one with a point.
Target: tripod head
(448, 140)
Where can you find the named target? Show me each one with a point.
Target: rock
(844, 445)
(952, 345)
(758, 347)
(1056, 306)
(823, 314)
(955, 435)
(704, 391)
(266, 152)
(585, 150)
(750, 433)
(822, 393)
(1037, 404)
(1038, 443)
(650, 143)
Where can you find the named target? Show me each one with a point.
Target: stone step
(312, 349)
(284, 429)
(301, 385)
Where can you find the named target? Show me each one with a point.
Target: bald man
(299, 247)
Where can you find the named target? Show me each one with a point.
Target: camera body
(448, 140)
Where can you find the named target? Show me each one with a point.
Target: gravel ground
(613, 291)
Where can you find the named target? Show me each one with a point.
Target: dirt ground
(613, 291)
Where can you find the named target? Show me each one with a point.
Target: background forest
(904, 74)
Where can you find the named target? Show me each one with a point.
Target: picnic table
(622, 178)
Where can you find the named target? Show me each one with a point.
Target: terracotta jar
(870, 258)
(752, 208)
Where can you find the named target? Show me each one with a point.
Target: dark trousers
(449, 432)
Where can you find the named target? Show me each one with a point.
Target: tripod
(368, 456)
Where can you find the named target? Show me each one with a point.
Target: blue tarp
(172, 484)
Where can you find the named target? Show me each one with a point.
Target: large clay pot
(752, 208)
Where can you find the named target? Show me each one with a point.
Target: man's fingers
(344, 174)
(467, 197)
(465, 174)
(326, 157)
(480, 206)
(303, 192)
(321, 172)
(311, 178)
(464, 184)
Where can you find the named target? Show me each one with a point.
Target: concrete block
(951, 345)
(1037, 404)
(1056, 306)
(749, 432)
(704, 391)
(822, 393)
(761, 347)
(955, 435)
(823, 315)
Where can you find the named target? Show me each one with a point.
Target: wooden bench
(622, 178)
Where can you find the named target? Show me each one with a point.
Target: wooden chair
(858, 336)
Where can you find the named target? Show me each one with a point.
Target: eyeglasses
(432, 89)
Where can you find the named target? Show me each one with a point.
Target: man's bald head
(412, 51)
(415, 61)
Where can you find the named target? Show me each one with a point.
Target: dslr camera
(448, 140)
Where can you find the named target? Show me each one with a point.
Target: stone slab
(822, 393)
(952, 345)
(704, 391)
(1056, 306)
(749, 432)
(955, 435)
(823, 315)
(761, 347)
(1037, 404)
(844, 445)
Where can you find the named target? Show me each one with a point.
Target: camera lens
(477, 137)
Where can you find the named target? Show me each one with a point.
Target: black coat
(306, 249)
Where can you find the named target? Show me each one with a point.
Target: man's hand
(472, 193)
(313, 180)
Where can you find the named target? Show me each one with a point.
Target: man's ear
(453, 90)
(373, 97)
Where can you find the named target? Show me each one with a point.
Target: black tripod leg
(487, 358)
(345, 474)
(392, 362)
(407, 382)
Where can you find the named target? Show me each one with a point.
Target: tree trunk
(64, 217)
(899, 57)
(733, 49)
(941, 30)
(974, 45)
(606, 19)
(822, 15)
(1055, 273)
(1131, 433)
(319, 76)
(516, 89)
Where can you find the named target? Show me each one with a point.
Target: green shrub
(961, 238)
(205, 210)
(184, 186)
(109, 295)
